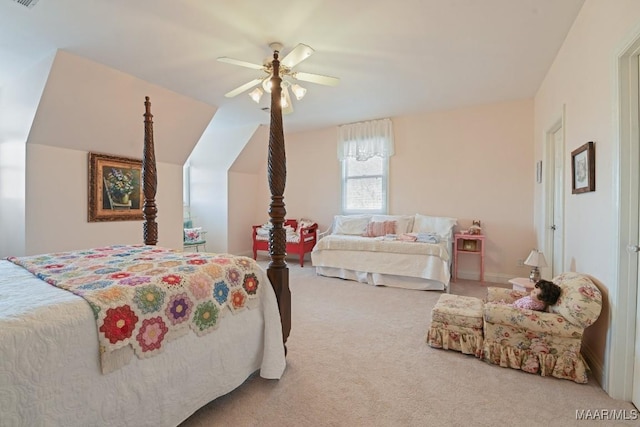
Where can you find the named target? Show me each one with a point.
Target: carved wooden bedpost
(278, 272)
(149, 179)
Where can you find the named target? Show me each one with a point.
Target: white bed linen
(380, 244)
(50, 370)
(385, 268)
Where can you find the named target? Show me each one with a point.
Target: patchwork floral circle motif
(151, 333)
(139, 294)
(244, 263)
(149, 298)
(135, 281)
(206, 315)
(108, 295)
(238, 298)
(221, 292)
(213, 270)
(100, 284)
(250, 283)
(118, 323)
(179, 309)
(172, 279)
(200, 285)
(106, 270)
(234, 276)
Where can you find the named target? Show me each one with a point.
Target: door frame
(618, 380)
(549, 188)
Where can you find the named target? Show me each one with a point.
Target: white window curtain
(364, 140)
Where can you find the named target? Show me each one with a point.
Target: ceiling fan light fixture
(284, 103)
(266, 84)
(298, 91)
(256, 94)
(292, 59)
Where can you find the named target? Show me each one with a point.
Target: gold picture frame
(115, 188)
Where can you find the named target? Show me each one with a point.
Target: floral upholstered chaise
(548, 343)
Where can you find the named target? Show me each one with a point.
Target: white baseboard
(488, 277)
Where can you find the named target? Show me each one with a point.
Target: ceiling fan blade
(316, 78)
(297, 55)
(244, 87)
(240, 63)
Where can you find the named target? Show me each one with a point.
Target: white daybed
(349, 250)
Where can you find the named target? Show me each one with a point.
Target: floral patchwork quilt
(143, 296)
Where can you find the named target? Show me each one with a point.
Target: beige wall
(583, 80)
(57, 205)
(471, 163)
(242, 191)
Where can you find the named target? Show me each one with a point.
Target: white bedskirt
(410, 271)
(50, 370)
(377, 279)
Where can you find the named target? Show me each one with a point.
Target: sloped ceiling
(393, 58)
(87, 106)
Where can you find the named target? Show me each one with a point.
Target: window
(364, 185)
(364, 150)
(186, 185)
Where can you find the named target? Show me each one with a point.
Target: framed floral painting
(115, 188)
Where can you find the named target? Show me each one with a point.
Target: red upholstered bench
(300, 242)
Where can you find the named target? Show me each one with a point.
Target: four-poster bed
(54, 371)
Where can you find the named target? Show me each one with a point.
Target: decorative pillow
(289, 230)
(404, 223)
(436, 224)
(303, 223)
(380, 228)
(193, 235)
(350, 224)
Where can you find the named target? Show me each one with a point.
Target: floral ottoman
(456, 324)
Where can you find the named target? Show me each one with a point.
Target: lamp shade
(298, 91)
(256, 94)
(536, 259)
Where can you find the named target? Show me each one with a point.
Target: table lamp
(535, 260)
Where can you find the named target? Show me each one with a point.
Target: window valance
(364, 140)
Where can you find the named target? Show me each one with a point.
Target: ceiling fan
(293, 58)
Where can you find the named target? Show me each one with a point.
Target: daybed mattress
(50, 370)
(412, 265)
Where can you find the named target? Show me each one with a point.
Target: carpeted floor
(357, 357)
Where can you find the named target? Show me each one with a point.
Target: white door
(554, 199)
(557, 228)
(636, 371)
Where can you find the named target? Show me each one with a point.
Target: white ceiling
(392, 57)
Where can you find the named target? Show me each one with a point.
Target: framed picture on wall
(583, 168)
(115, 188)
